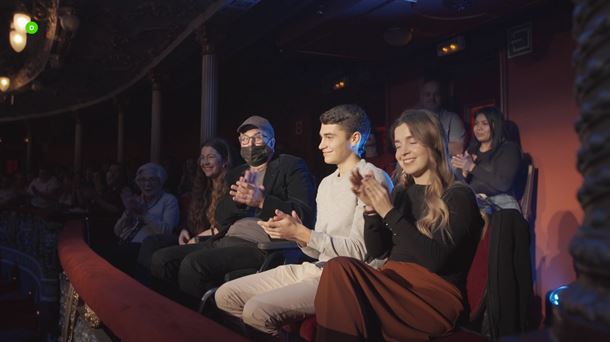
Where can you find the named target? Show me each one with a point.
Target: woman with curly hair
(428, 230)
(214, 160)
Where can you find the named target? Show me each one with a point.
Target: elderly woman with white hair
(152, 212)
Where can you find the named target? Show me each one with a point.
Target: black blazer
(288, 186)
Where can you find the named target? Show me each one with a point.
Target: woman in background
(491, 162)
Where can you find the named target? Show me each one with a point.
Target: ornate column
(156, 117)
(209, 85)
(584, 311)
(78, 143)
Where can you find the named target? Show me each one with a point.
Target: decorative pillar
(156, 114)
(120, 143)
(209, 85)
(78, 143)
(584, 307)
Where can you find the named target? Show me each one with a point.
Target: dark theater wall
(541, 102)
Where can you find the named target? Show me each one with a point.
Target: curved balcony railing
(99, 294)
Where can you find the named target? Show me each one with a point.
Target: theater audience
(268, 300)
(8, 195)
(108, 201)
(266, 182)
(44, 189)
(429, 230)
(214, 161)
(68, 197)
(491, 162)
(431, 98)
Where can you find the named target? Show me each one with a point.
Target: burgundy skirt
(401, 302)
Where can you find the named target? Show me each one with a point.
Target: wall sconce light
(341, 84)
(453, 45)
(5, 83)
(20, 20)
(18, 40)
(26, 140)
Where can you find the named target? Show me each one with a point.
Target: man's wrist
(304, 236)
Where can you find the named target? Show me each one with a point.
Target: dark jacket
(509, 283)
(288, 186)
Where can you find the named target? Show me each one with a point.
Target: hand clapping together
(245, 191)
(465, 162)
(372, 193)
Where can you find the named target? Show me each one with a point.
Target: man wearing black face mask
(254, 191)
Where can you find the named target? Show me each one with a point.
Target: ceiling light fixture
(5, 83)
(20, 20)
(451, 46)
(18, 40)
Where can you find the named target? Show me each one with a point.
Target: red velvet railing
(131, 311)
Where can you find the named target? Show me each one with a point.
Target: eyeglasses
(259, 139)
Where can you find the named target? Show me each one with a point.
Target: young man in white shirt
(268, 300)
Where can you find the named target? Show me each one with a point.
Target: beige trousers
(268, 300)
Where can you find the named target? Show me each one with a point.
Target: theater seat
(476, 284)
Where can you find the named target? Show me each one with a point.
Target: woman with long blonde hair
(428, 230)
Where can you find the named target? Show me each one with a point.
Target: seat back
(476, 280)
(526, 201)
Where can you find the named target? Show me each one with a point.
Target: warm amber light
(20, 20)
(445, 50)
(18, 40)
(453, 46)
(5, 83)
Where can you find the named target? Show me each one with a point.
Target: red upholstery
(477, 275)
(308, 329)
(475, 288)
(131, 311)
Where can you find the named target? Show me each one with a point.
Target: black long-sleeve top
(397, 236)
(495, 170)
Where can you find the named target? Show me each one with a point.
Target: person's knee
(256, 314)
(228, 299)
(189, 265)
(340, 264)
(158, 264)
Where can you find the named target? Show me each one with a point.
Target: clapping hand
(378, 196)
(284, 226)
(245, 191)
(465, 162)
(358, 186)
